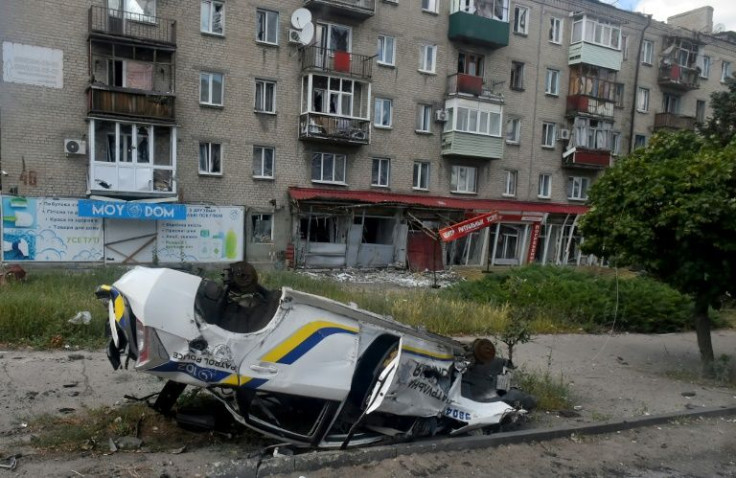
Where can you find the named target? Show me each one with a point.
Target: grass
(552, 392)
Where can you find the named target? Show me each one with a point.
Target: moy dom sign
(132, 210)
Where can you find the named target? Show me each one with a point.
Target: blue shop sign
(132, 210)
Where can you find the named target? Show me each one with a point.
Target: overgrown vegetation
(551, 392)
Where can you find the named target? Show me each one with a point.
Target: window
(478, 121)
(555, 30)
(421, 175)
(704, 65)
(263, 158)
(136, 10)
(577, 188)
(513, 130)
(545, 186)
(427, 58)
(509, 181)
(265, 96)
(517, 75)
(430, 5)
(725, 71)
(381, 172)
(615, 143)
(338, 96)
(211, 87)
(386, 50)
(592, 133)
(549, 134)
(462, 179)
(267, 28)
(210, 158)
(328, 168)
(642, 100)
(700, 111)
(618, 95)
(262, 228)
(424, 118)
(670, 103)
(470, 64)
(625, 47)
(552, 82)
(640, 141)
(212, 17)
(647, 52)
(521, 20)
(597, 31)
(383, 113)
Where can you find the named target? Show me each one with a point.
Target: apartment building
(351, 132)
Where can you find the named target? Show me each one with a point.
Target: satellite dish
(301, 18)
(307, 34)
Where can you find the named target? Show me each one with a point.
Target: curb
(254, 468)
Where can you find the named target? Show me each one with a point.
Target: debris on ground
(82, 318)
(400, 277)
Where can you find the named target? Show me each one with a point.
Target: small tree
(671, 209)
(720, 127)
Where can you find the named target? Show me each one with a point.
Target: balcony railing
(337, 61)
(334, 129)
(591, 105)
(360, 9)
(483, 23)
(674, 121)
(465, 84)
(587, 158)
(678, 77)
(131, 103)
(146, 28)
(594, 87)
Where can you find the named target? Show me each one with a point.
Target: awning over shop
(376, 197)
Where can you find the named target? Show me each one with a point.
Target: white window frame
(384, 42)
(384, 165)
(700, 109)
(424, 118)
(578, 188)
(265, 13)
(207, 13)
(253, 218)
(424, 50)
(381, 107)
(644, 141)
(332, 179)
(704, 62)
(469, 183)
(647, 52)
(132, 13)
(555, 30)
(208, 169)
(642, 99)
(521, 20)
(260, 159)
(552, 83)
(210, 101)
(517, 72)
(625, 47)
(726, 70)
(431, 6)
(544, 186)
(549, 134)
(420, 176)
(596, 31)
(471, 120)
(515, 136)
(510, 178)
(263, 87)
(615, 143)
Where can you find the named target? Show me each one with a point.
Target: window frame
(262, 161)
(517, 72)
(424, 115)
(636, 144)
(510, 180)
(705, 63)
(265, 13)
(726, 70)
(259, 216)
(335, 156)
(517, 130)
(647, 52)
(423, 56)
(420, 175)
(544, 185)
(432, 6)
(552, 82)
(210, 83)
(210, 17)
(208, 159)
(379, 108)
(382, 50)
(642, 96)
(548, 126)
(525, 30)
(467, 187)
(263, 85)
(700, 110)
(556, 26)
(383, 164)
(582, 184)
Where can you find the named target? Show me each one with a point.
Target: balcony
(674, 121)
(356, 9)
(123, 102)
(596, 55)
(586, 158)
(138, 28)
(472, 145)
(461, 83)
(478, 30)
(326, 128)
(678, 77)
(315, 58)
(591, 105)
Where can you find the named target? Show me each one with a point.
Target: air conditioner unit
(564, 134)
(294, 35)
(440, 115)
(75, 146)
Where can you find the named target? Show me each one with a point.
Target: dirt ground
(610, 376)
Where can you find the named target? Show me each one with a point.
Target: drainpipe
(636, 84)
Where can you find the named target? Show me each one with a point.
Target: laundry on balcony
(342, 61)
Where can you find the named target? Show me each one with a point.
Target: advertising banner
(132, 210)
(49, 230)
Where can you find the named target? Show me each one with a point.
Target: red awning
(376, 197)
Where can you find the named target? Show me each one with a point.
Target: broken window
(377, 230)
(262, 228)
